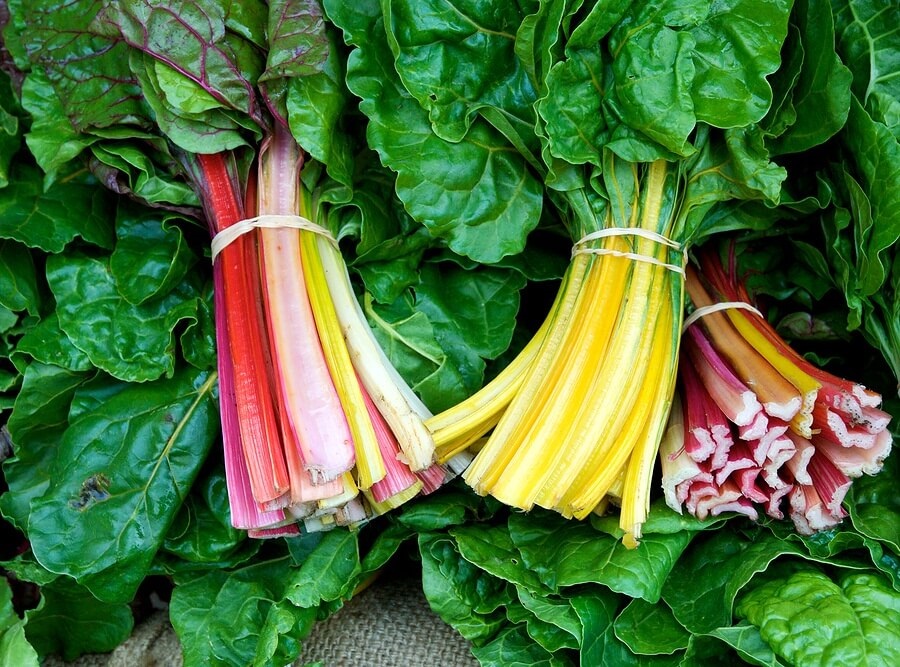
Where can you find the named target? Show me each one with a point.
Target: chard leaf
(329, 572)
(122, 470)
(821, 98)
(809, 619)
(547, 635)
(869, 42)
(565, 554)
(45, 342)
(201, 531)
(597, 610)
(14, 647)
(36, 425)
(440, 511)
(192, 41)
(486, 206)
(9, 130)
(50, 219)
(298, 46)
(747, 642)
(463, 595)
(514, 648)
(650, 629)
(552, 610)
(875, 505)
(18, 282)
(491, 549)
(89, 73)
(70, 622)
(261, 626)
(738, 45)
(136, 174)
(727, 562)
(151, 256)
(134, 343)
(571, 111)
(440, 50)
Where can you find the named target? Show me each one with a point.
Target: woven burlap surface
(388, 625)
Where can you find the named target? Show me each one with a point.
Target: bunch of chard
(317, 424)
(755, 426)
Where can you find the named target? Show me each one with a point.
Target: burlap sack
(388, 625)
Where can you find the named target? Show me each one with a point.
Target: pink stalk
(308, 395)
(288, 530)
(398, 477)
(808, 512)
(433, 477)
(739, 458)
(757, 428)
(697, 493)
(733, 397)
(855, 461)
(708, 431)
(831, 484)
(776, 494)
(245, 513)
(760, 446)
(750, 488)
(798, 464)
(728, 495)
(832, 427)
(780, 452)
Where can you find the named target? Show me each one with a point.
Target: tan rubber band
(714, 308)
(268, 221)
(579, 249)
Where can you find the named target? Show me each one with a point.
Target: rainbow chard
(240, 109)
(805, 465)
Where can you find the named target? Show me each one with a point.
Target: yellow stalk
(350, 492)
(482, 410)
(494, 456)
(369, 465)
(566, 398)
(464, 441)
(805, 383)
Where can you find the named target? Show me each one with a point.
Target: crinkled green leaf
(329, 572)
(809, 619)
(821, 98)
(488, 203)
(36, 425)
(553, 610)
(201, 532)
(491, 548)
(650, 629)
(438, 511)
(869, 42)
(570, 110)
(131, 342)
(745, 640)
(51, 219)
(198, 341)
(514, 648)
(18, 282)
(315, 107)
(70, 622)
(565, 554)
(9, 130)
(596, 609)
(738, 45)
(875, 505)
(124, 467)
(464, 596)
(548, 636)
(14, 647)
(45, 342)
(440, 52)
(151, 255)
(261, 626)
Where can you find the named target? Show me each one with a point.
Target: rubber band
(716, 307)
(579, 249)
(228, 235)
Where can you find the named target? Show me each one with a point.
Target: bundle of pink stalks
(305, 440)
(754, 426)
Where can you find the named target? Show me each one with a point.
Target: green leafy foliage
(14, 647)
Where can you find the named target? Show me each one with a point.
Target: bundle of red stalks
(755, 427)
